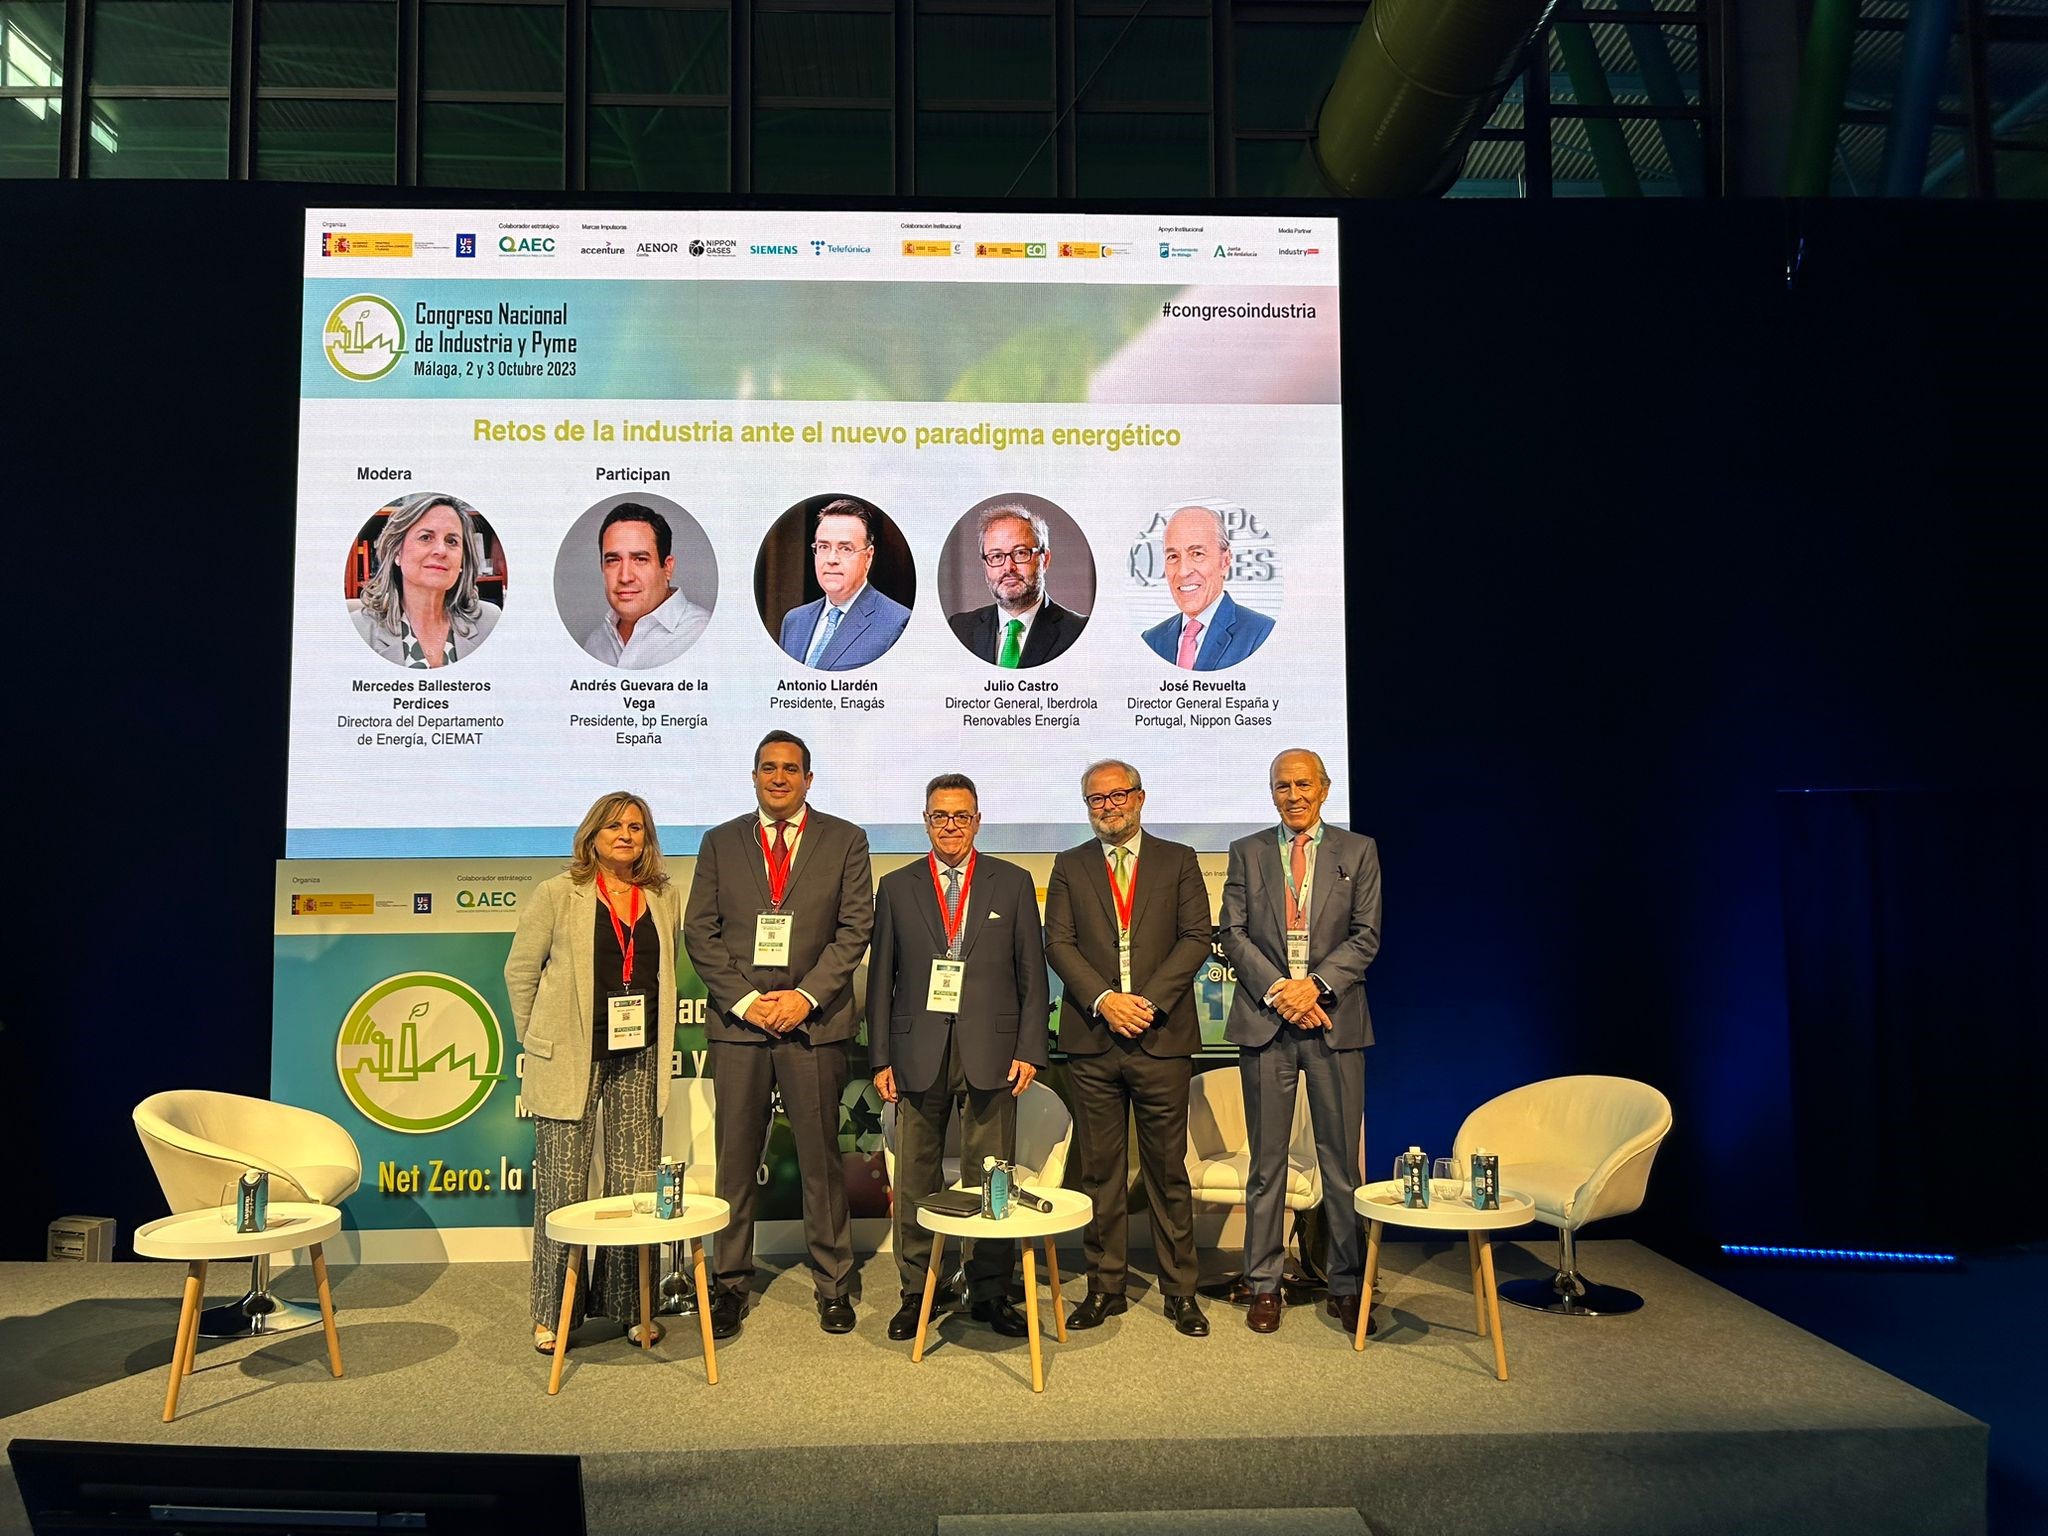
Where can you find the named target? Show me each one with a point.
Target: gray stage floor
(1700, 1413)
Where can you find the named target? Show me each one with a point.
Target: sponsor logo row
(532, 245)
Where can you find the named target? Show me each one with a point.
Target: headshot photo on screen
(425, 580)
(1016, 581)
(1211, 567)
(636, 581)
(835, 582)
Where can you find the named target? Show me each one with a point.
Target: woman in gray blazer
(592, 977)
(421, 608)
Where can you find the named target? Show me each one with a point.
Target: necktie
(1188, 636)
(1296, 918)
(1121, 856)
(1013, 646)
(953, 908)
(832, 616)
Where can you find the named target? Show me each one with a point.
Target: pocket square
(993, 915)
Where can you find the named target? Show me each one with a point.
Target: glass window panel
(843, 55)
(1858, 168)
(986, 154)
(351, 141)
(492, 48)
(322, 43)
(1284, 72)
(160, 42)
(1163, 58)
(1682, 7)
(1948, 168)
(819, 150)
(1642, 65)
(31, 43)
(1493, 168)
(659, 53)
(1634, 153)
(658, 149)
(170, 139)
(490, 146)
(1277, 168)
(28, 138)
(2015, 75)
(1509, 114)
(984, 58)
(2022, 173)
(1142, 154)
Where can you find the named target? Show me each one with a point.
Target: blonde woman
(422, 608)
(592, 977)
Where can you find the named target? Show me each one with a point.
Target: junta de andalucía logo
(419, 1052)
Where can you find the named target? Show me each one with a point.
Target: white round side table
(1070, 1210)
(1380, 1203)
(613, 1223)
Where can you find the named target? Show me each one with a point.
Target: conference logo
(419, 1052)
(364, 337)
(423, 903)
(465, 246)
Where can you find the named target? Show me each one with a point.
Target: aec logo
(476, 901)
(526, 245)
(419, 1052)
(364, 337)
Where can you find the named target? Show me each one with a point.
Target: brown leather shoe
(1264, 1314)
(1345, 1310)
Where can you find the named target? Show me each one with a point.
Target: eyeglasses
(843, 551)
(1023, 554)
(1114, 797)
(951, 818)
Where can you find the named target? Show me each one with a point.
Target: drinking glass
(643, 1192)
(1445, 1184)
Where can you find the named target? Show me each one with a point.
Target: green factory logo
(364, 337)
(419, 1052)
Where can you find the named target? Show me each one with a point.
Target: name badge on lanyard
(1297, 953)
(773, 928)
(771, 939)
(1123, 899)
(625, 1017)
(948, 976)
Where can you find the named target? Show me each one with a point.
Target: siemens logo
(469, 900)
(771, 250)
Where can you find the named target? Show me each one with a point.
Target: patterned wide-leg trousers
(625, 1085)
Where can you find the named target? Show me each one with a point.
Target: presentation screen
(594, 500)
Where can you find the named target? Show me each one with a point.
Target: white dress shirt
(793, 835)
(1131, 876)
(660, 636)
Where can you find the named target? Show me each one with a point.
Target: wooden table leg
(188, 1331)
(646, 1302)
(1052, 1276)
(1372, 1274)
(931, 1289)
(192, 1338)
(319, 1258)
(1031, 1317)
(1478, 1280)
(704, 1315)
(568, 1311)
(1500, 1349)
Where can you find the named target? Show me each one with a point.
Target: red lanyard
(958, 921)
(626, 936)
(778, 867)
(1124, 897)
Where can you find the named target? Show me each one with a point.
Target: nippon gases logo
(716, 249)
(364, 337)
(526, 245)
(419, 1052)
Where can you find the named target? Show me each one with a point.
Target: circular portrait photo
(425, 580)
(1016, 581)
(636, 581)
(1206, 575)
(835, 582)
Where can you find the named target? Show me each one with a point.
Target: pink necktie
(1296, 918)
(1188, 634)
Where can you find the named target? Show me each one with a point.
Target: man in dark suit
(1301, 922)
(1023, 627)
(852, 624)
(1126, 929)
(779, 916)
(1212, 630)
(956, 1009)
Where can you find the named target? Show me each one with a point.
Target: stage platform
(1701, 1413)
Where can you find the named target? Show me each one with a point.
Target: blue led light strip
(1835, 1255)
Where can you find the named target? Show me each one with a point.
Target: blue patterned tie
(953, 912)
(824, 639)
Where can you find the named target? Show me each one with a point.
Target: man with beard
(1023, 627)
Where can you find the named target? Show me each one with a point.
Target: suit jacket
(1170, 942)
(1343, 932)
(1234, 634)
(870, 627)
(389, 644)
(1052, 631)
(1003, 996)
(548, 975)
(832, 915)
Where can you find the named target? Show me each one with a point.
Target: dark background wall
(1659, 513)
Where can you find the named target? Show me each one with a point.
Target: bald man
(1211, 630)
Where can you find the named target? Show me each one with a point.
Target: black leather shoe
(1185, 1313)
(1001, 1316)
(1097, 1306)
(904, 1324)
(835, 1314)
(1263, 1316)
(1345, 1310)
(726, 1309)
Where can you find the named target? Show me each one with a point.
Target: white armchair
(1581, 1148)
(200, 1142)
(1045, 1133)
(1219, 1157)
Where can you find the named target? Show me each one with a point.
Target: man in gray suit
(956, 1010)
(1301, 922)
(1126, 928)
(779, 916)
